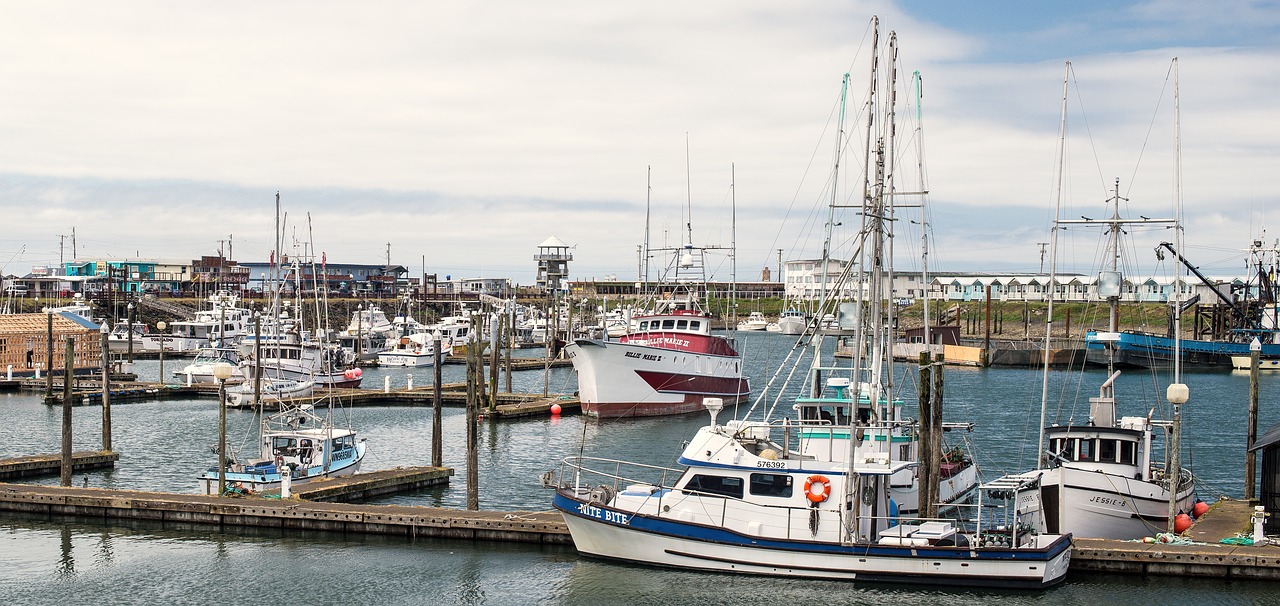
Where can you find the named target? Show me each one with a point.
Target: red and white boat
(666, 366)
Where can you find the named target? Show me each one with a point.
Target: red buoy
(1199, 509)
(555, 409)
(1181, 523)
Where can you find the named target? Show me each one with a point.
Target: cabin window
(717, 485)
(1107, 451)
(771, 484)
(1128, 453)
(682, 325)
(668, 324)
(695, 325)
(1086, 451)
(644, 326)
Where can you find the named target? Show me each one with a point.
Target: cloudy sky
(467, 133)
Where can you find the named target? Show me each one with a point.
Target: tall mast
(1053, 259)
(924, 224)
(648, 191)
(733, 249)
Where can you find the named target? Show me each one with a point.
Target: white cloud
(470, 132)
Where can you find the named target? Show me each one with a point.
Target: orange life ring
(817, 488)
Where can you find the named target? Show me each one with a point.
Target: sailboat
(1100, 478)
(822, 495)
(294, 442)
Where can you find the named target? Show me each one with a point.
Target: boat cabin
(1117, 450)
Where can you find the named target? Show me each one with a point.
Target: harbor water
(165, 444)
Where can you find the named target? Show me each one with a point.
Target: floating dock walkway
(1206, 557)
(291, 514)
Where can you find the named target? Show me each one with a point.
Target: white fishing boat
(666, 366)
(200, 370)
(791, 322)
(272, 391)
(222, 324)
(1101, 478)
(289, 352)
(294, 442)
(415, 350)
(77, 305)
(122, 333)
(743, 503)
(755, 321)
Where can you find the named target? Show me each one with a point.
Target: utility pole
(779, 264)
(73, 243)
(1042, 246)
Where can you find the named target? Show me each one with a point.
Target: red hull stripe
(681, 341)
(666, 382)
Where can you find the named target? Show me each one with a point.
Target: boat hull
(616, 535)
(1137, 350)
(1093, 504)
(269, 478)
(625, 380)
(406, 359)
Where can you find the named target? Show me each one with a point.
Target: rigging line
(1150, 127)
(1088, 131)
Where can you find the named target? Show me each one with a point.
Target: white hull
(952, 490)
(791, 325)
(173, 344)
(273, 390)
(260, 482)
(409, 360)
(1093, 504)
(1245, 363)
(621, 379)
(618, 540)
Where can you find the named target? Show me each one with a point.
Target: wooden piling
(925, 494)
(437, 425)
(1251, 458)
(68, 382)
(106, 390)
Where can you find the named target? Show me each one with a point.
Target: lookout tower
(553, 263)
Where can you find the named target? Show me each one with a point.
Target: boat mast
(924, 224)
(815, 387)
(1053, 260)
(733, 249)
(1177, 392)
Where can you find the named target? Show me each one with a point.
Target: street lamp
(222, 371)
(160, 326)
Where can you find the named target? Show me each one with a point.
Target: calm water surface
(164, 445)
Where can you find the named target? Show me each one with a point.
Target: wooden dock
(370, 484)
(1204, 558)
(288, 514)
(51, 464)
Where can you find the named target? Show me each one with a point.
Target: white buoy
(37, 370)
(409, 380)
(188, 379)
(386, 384)
(286, 481)
(8, 373)
(1259, 517)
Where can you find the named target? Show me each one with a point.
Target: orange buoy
(555, 409)
(1181, 523)
(1199, 509)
